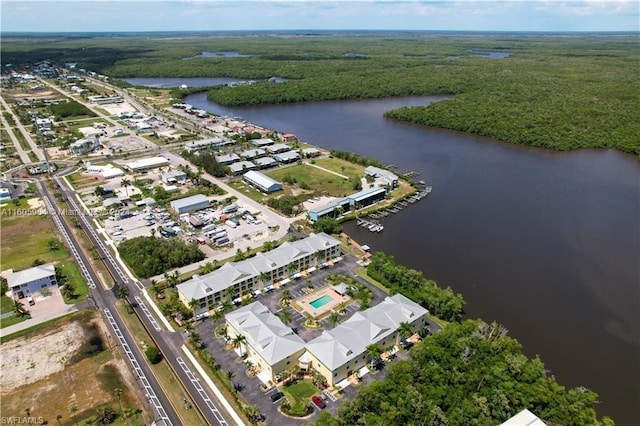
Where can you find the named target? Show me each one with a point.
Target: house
(277, 148)
(311, 152)
(332, 209)
(262, 182)
(173, 176)
(189, 204)
(247, 276)
(269, 342)
(287, 157)
(30, 281)
(261, 143)
(84, 146)
(43, 124)
(227, 159)
(341, 351)
(381, 177)
(205, 144)
(367, 197)
(5, 195)
(289, 137)
(265, 162)
(251, 154)
(241, 167)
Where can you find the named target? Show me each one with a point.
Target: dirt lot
(43, 94)
(66, 364)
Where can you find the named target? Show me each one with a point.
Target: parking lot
(250, 387)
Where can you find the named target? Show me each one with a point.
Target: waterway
(545, 243)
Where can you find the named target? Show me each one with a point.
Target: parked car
(276, 396)
(31, 301)
(318, 402)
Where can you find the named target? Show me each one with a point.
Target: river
(546, 243)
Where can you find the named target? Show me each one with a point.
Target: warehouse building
(190, 204)
(262, 182)
(173, 176)
(144, 164)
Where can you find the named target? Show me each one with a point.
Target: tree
(125, 183)
(118, 392)
(54, 244)
(328, 225)
(405, 330)
(373, 353)
(333, 319)
(286, 296)
(37, 262)
(238, 341)
(285, 316)
(153, 354)
(105, 415)
(58, 418)
(19, 308)
(122, 292)
(99, 191)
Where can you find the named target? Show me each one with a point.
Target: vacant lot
(25, 237)
(314, 179)
(65, 368)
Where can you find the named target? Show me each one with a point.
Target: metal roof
(32, 274)
(188, 201)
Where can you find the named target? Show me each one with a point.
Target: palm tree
(125, 183)
(285, 316)
(19, 309)
(284, 375)
(118, 392)
(405, 330)
(226, 305)
(58, 418)
(105, 415)
(122, 292)
(373, 352)
(333, 318)
(194, 304)
(238, 341)
(286, 296)
(292, 268)
(264, 278)
(341, 307)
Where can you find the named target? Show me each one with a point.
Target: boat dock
(372, 218)
(371, 226)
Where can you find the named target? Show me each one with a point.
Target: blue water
(318, 303)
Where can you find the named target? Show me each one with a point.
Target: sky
(234, 15)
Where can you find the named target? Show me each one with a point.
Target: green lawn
(6, 305)
(341, 166)
(299, 395)
(25, 238)
(317, 180)
(71, 270)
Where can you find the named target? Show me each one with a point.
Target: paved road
(23, 155)
(105, 302)
(169, 343)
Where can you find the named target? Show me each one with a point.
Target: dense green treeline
(467, 374)
(554, 91)
(149, 256)
(442, 302)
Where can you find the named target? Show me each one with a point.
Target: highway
(169, 343)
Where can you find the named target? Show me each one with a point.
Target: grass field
(341, 166)
(25, 237)
(316, 180)
(6, 305)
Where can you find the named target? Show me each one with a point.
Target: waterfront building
(381, 177)
(277, 148)
(287, 157)
(333, 209)
(367, 197)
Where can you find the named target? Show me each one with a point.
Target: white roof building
(32, 280)
(348, 342)
(382, 177)
(189, 204)
(261, 181)
(107, 171)
(265, 333)
(147, 163)
(524, 418)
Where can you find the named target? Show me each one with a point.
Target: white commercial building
(144, 164)
(107, 171)
(262, 182)
(190, 204)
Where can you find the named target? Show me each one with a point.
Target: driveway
(44, 309)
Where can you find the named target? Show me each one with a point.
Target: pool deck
(304, 303)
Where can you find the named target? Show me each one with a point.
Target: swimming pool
(321, 301)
